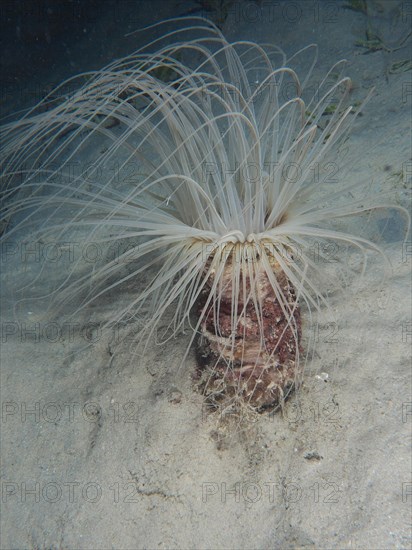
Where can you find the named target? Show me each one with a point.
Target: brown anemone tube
(259, 363)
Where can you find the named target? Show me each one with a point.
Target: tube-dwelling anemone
(223, 207)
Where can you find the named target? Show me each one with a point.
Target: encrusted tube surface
(259, 364)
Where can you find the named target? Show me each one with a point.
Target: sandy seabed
(105, 449)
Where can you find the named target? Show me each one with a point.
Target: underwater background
(105, 450)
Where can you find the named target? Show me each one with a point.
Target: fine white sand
(102, 448)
